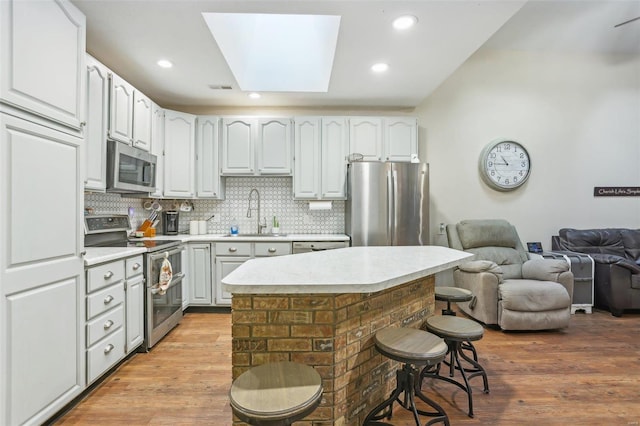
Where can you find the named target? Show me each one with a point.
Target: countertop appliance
(387, 204)
(162, 310)
(130, 169)
(309, 246)
(170, 222)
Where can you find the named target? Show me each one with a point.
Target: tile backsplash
(276, 199)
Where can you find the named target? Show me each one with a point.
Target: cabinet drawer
(272, 249)
(233, 249)
(104, 275)
(133, 266)
(105, 354)
(105, 299)
(104, 325)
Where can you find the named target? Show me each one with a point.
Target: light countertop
(97, 255)
(347, 270)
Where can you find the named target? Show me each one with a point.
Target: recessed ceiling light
(380, 67)
(404, 22)
(255, 95)
(164, 63)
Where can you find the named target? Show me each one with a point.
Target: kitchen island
(323, 309)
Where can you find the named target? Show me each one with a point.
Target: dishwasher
(309, 246)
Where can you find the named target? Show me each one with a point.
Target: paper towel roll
(202, 227)
(319, 205)
(194, 227)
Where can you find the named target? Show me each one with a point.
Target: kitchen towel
(166, 274)
(319, 205)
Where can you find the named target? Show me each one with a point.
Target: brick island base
(334, 334)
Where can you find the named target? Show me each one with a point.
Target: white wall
(579, 118)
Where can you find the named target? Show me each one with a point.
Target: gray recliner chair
(510, 290)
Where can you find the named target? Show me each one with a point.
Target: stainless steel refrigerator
(387, 204)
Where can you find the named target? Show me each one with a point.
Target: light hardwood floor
(588, 374)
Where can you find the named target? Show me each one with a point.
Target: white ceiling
(130, 36)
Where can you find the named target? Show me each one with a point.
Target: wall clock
(504, 165)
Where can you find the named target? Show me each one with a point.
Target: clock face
(504, 165)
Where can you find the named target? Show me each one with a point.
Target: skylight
(277, 53)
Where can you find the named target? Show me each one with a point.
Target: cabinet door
(43, 59)
(224, 266)
(208, 183)
(306, 178)
(179, 158)
(274, 147)
(141, 121)
(365, 137)
(135, 312)
(200, 292)
(401, 139)
(157, 147)
(97, 125)
(41, 285)
(238, 146)
(334, 154)
(121, 110)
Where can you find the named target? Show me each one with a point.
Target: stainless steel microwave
(130, 169)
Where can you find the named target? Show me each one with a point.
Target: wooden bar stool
(276, 394)
(455, 331)
(412, 347)
(455, 294)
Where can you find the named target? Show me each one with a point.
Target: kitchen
(57, 271)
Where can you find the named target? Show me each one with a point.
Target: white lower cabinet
(134, 301)
(224, 266)
(105, 321)
(200, 284)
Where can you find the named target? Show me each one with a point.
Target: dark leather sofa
(616, 253)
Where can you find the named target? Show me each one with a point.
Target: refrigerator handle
(390, 207)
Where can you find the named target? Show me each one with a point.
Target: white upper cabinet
(179, 154)
(384, 138)
(252, 146)
(306, 177)
(401, 139)
(238, 146)
(335, 143)
(208, 181)
(157, 147)
(274, 146)
(142, 119)
(365, 137)
(51, 82)
(320, 158)
(97, 124)
(121, 110)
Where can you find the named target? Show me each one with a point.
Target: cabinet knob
(109, 348)
(136, 266)
(233, 249)
(108, 299)
(108, 275)
(271, 250)
(108, 325)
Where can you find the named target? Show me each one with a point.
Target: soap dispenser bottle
(234, 227)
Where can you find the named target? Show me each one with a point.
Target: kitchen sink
(267, 235)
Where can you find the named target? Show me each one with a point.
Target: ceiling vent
(220, 87)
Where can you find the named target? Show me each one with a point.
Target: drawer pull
(108, 275)
(109, 348)
(233, 249)
(108, 299)
(136, 266)
(272, 250)
(108, 325)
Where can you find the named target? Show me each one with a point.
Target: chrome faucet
(261, 226)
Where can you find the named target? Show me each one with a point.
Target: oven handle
(177, 278)
(162, 254)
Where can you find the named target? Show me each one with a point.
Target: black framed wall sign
(616, 191)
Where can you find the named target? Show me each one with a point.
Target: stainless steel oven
(163, 310)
